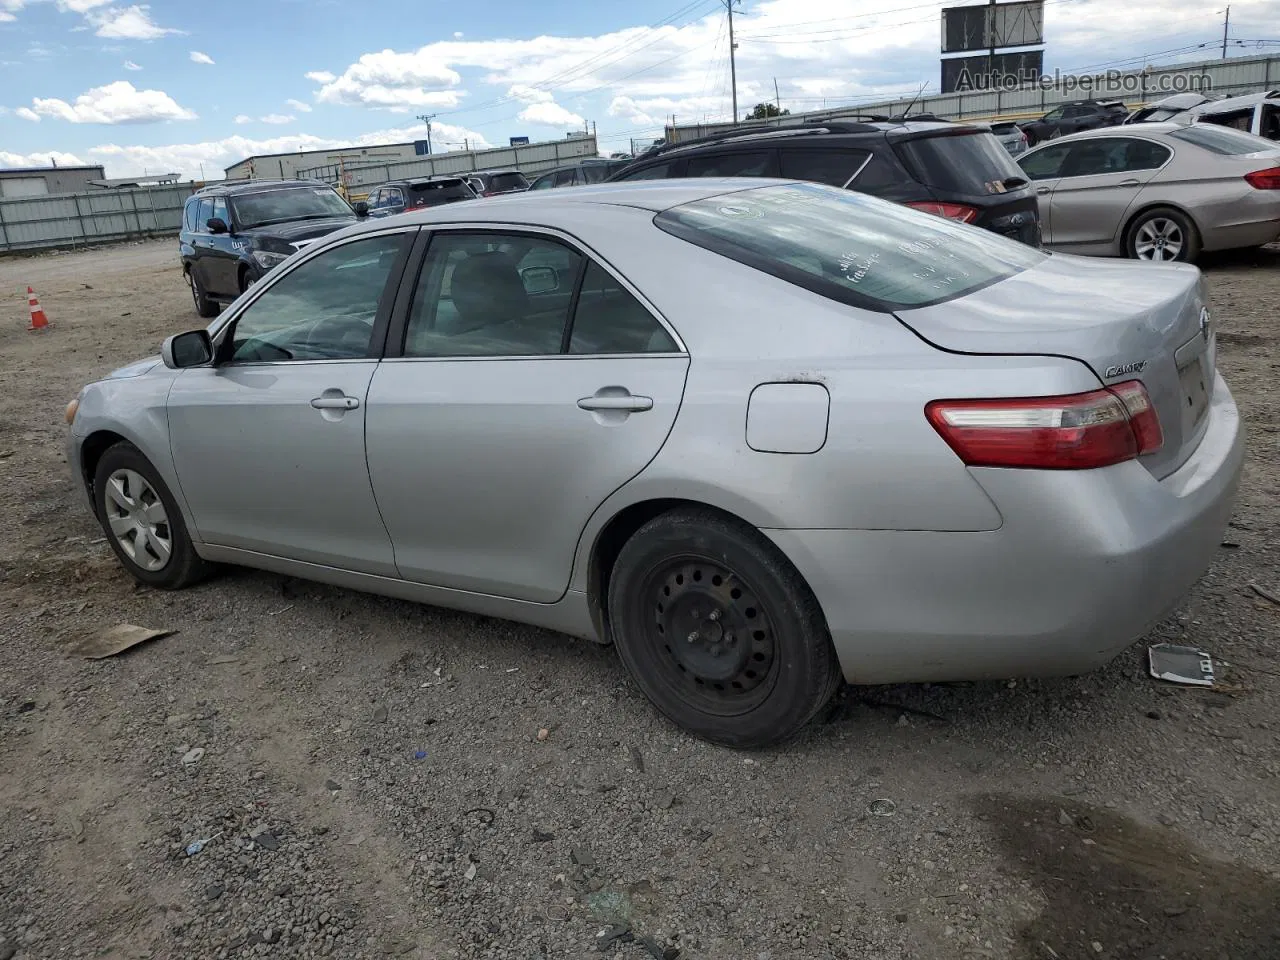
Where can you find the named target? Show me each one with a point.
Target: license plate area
(1195, 389)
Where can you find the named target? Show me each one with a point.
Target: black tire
(761, 665)
(1188, 235)
(204, 306)
(183, 566)
(247, 279)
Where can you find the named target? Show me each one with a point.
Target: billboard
(1004, 71)
(988, 26)
(519, 141)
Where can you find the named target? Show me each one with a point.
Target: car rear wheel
(719, 630)
(142, 522)
(204, 306)
(1163, 235)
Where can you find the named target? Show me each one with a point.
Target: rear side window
(1222, 140)
(759, 163)
(848, 246)
(835, 167)
(973, 164)
(1237, 119)
(204, 214)
(189, 215)
(658, 171)
(439, 191)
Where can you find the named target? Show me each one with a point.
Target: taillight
(952, 211)
(1268, 179)
(1077, 432)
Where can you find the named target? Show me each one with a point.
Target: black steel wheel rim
(712, 637)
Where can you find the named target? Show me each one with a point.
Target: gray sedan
(1157, 191)
(760, 435)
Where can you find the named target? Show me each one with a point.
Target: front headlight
(72, 409)
(267, 260)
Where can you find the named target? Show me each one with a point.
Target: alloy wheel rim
(714, 639)
(1159, 239)
(137, 520)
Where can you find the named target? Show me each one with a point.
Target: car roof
(256, 186)
(1130, 130)
(1236, 103)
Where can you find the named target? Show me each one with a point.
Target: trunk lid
(1126, 321)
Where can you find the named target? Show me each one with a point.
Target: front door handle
(625, 403)
(335, 403)
(1043, 191)
(1130, 183)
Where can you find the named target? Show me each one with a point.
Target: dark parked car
(586, 171)
(401, 195)
(492, 183)
(954, 170)
(232, 234)
(1074, 117)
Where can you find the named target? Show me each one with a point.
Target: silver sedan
(760, 435)
(1157, 191)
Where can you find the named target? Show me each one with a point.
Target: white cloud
(298, 105)
(321, 76)
(391, 81)
(527, 94)
(457, 34)
(198, 57)
(118, 102)
(39, 159)
(277, 118)
(128, 23)
(130, 65)
(7, 17)
(550, 115)
(26, 113)
(80, 6)
(243, 118)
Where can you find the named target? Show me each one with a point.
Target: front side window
(759, 163)
(545, 182)
(220, 210)
(492, 295)
(849, 246)
(291, 203)
(1113, 155)
(202, 217)
(566, 178)
(1054, 114)
(1045, 164)
(658, 171)
(322, 310)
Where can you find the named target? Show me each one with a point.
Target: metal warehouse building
(43, 181)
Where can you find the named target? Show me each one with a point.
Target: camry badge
(1119, 370)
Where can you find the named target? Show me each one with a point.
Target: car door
(202, 252)
(374, 202)
(506, 421)
(1045, 127)
(225, 251)
(395, 200)
(1043, 167)
(268, 442)
(1101, 179)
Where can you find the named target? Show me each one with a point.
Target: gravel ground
(371, 778)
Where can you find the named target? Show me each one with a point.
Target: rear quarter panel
(1211, 190)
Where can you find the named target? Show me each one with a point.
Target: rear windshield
(974, 164)
(1003, 128)
(291, 203)
(507, 181)
(849, 246)
(1222, 140)
(439, 191)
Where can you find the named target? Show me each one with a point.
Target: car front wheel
(142, 522)
(204, 306)
(719, 630)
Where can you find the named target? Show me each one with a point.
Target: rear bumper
(1238, 235)
(1083, 565)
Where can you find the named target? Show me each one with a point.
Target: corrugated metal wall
(1233, 77)
(533, 158)
(98, 216)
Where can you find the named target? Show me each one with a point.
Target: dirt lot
(391, 752)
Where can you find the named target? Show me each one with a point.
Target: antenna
(915, 100)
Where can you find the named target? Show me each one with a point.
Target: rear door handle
(1130, 183)
(625, 403)
(335, 403)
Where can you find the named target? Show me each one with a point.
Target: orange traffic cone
(38, 320)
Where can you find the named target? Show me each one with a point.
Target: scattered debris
(884, 807)
(195, 846)
(26, 706)
(543, 734)
(1230, 545)
(1178, 664)
(192, 756)
(332, 785)
(380, 714)
(266, 840)
(1065, 819)
(117, 639)
(223, 659)
(607, 937)
(1264, 593)
(471, 872)
(637, 760)
(666, 800)
(582, 857)
(419, 754)
(484, 814)
(540, 836)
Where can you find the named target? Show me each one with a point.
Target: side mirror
(540, 280)
(362, 209)
(217, 225)
(191, 349)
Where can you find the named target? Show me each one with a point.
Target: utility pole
(427, 118)
(777, 100)
(733, 65)
(1226, 25)
(991, 39)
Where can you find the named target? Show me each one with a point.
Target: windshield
(849, 246)
(1223, 140)
(292, 203)
(502, 182)
(973, 164)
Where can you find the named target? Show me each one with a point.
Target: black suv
(492, 183)
(590, 170)
(1074, 117)
(401, 195)
(233, 233)
(949, 169)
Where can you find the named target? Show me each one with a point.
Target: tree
(763, 111)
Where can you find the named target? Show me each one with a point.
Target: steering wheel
(344, 334)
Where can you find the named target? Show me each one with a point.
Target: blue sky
(183, 86)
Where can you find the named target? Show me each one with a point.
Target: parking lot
(382, 779)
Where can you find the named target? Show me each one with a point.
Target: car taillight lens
(1077, 432)
(1268, 179)
(952, 211)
